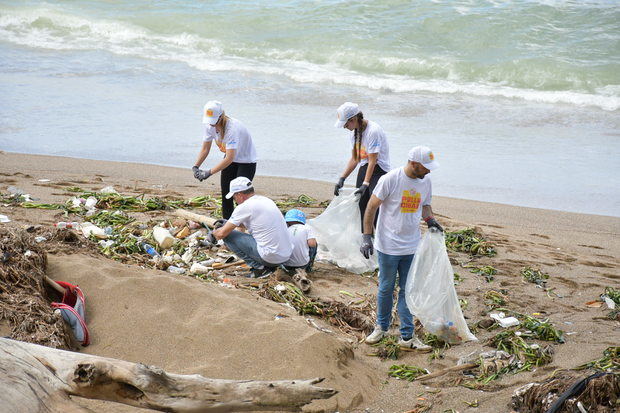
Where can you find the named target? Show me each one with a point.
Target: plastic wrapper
(430, 292)
(338, 233)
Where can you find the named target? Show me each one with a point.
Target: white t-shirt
(237, 137)
(300, 234)
(265, 223)
(398, 227)
(374, 141)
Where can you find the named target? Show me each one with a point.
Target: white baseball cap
(423, 155)
(212, 112)
(345, 112)
(239, 184)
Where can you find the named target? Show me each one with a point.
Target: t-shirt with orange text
(237, 137)
(398, 227)
(374, 141)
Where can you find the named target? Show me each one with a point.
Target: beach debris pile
(471, 241)
(598, 390)
(24, 300)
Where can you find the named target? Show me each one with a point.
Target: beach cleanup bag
(73, 311)
(430, 292)
(338, 234)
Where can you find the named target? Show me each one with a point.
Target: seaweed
(406, 372)
(534, 276)
(470, 241)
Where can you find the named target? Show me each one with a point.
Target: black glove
(367, 249)
(339, 185)
(210, 238)
(432, 223)
(361, 190)
(219, 223)
(201, 175)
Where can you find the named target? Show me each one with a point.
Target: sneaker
(414, 343)
(376, 335)
(260, 272)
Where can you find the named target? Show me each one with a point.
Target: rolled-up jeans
(244, 246)
(389, 265)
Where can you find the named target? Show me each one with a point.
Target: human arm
(427, 216)
(347, 171)
(224, 231)
(204, 152)
(312, 242)
(224, 163)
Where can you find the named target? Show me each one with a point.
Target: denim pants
(244, 246)
(388, 266)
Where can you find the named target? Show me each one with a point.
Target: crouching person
(404, 196)
(304, 241)
(268, 242)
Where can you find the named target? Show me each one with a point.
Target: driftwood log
(40, 379)
(192, 216)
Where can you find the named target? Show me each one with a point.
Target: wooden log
(219, 265)
(202, 219)
(41, 379)
(447, 370)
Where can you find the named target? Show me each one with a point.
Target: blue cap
(295, 215)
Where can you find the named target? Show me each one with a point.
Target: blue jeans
(389, 265)
(244, 246)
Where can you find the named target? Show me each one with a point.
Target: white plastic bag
(338, 233)
(430, 292)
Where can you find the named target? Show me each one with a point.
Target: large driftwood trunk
(34, 378)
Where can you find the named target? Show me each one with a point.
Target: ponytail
(357, 133)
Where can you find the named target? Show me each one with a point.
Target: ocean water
(519, 100)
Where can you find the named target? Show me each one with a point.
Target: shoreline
(315, 182)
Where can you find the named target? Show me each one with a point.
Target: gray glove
(195, 170)
(361, 190)
(432, 223)
(219, 223)
(367, 249)
(210, 238)
(201, 174)
(339, 185)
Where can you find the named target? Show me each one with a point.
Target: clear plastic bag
(338, 233)
(430, 292)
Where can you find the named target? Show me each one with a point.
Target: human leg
(404, 315)
(246, 169)
(244, 246)
(228, 174)
(388, 266)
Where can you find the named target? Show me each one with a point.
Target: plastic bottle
(163, 237)
(63, 224)
(150, 250)
(176, 270)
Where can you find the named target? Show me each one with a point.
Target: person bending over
(304, 241)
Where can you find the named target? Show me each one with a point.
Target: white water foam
(49, 29)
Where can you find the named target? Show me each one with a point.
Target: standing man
(404, 195)
(268, 242)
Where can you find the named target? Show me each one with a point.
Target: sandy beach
(185, 325)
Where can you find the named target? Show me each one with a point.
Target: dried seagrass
(24, 303)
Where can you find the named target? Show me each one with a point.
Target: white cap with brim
(424, 156)
(239, 184)
(345, 112)
(212, 112)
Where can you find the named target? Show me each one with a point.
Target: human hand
(210, 238)
(201, 175)
(361, 190)
(338, 186)
(219, 223)
(195, 170)
(367, 249)
(432, 223)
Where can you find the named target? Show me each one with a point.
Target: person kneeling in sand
(404, 195)
(304, 241)
(268, 243)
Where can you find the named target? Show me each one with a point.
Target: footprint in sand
(598, 264)
(540, 235)
(591, 246)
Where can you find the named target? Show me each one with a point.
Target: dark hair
(247, 191)
(357, 133)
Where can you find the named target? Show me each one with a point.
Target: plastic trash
(176, 270)
(504, 321)
(108, 190)
(39, 239)
(430, 292)
(338, 233)
(4, 219)
(163, 237)
(197, 268)
(89, 229)
(150, 250)
(63, 224)
(90, 202)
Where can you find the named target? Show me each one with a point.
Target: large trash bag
(430, 292)
(338, 234)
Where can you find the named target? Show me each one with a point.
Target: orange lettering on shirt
(363, 153)
(221, 145)
(410, 203)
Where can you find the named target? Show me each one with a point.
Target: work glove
(361, 190)
(195, 170)
(219, 223)
(210, 238)
(339, 185)
(367, 249)
(432, 223)
(201, 174)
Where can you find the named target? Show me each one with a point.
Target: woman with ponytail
(370, 150)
